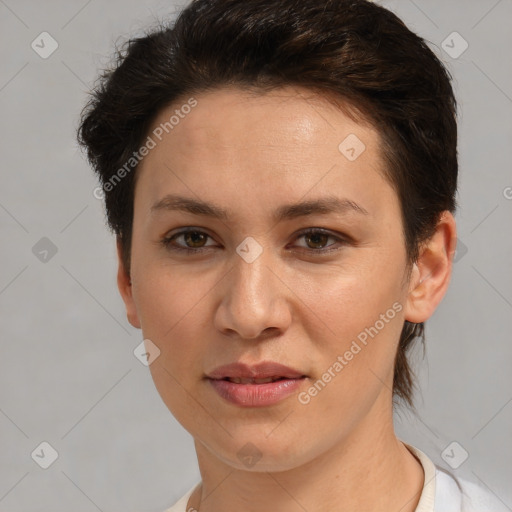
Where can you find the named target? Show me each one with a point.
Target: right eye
(191, 236)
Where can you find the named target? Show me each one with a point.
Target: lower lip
(256, 395)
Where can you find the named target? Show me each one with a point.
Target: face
(304, 267)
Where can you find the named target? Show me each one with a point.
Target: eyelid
(167, 240)
(341, 239)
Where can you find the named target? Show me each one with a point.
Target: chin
(263, 452)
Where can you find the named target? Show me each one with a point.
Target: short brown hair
(353, 50)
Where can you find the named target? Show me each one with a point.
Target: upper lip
(261, 370)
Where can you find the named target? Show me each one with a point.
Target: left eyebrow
(323, 206)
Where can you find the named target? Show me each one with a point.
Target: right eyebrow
(323, 206)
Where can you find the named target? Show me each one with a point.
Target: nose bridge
(251, 302)
(250, 278)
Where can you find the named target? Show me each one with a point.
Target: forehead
(279, 144)
(285, 116)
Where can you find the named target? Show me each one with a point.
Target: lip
(255, 394)
(261, 370)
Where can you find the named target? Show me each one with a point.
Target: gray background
(68, 375)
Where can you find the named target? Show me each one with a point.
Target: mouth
(261, 373)
(247, 380)
(261, 385)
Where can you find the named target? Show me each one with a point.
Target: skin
(251, 154)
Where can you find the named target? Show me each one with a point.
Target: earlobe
(431, 272)
(124, 284)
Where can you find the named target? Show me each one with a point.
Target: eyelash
(168, 241)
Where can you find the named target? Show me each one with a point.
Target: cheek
(170, 305)
(355, 355)
(172, 310)
(362, 313)
(352, 299)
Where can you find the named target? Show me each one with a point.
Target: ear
(432, 271)
(124, 284)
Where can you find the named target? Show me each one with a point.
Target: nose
(254, 300)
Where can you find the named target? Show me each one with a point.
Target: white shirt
(442, 492)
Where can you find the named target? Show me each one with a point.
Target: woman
(281, 179)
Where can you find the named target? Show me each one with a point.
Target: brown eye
(316, 240)
(193, 239)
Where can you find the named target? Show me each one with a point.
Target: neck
(368, 470)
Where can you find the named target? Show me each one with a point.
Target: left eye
(317, 237)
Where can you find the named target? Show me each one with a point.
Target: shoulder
(445, 492)
(458, 494)
(181, 504)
